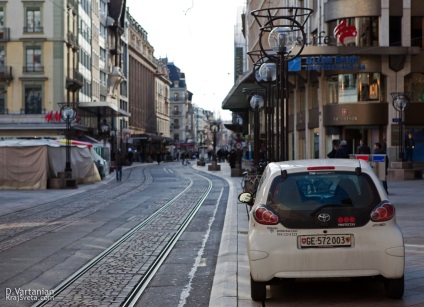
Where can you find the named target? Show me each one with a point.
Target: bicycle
(251, 179)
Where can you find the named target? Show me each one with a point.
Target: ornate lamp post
(68, 113)
(104, 127)
(214, 129)
(400, 103)
(256, 104)
(285, 38)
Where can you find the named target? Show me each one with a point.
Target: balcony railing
(75, 82)
(36, 68)
(72, 39)
(33, 29)
(6, 74)
(176, 113)
(4, 34)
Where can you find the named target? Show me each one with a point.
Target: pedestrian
(363, 148)
(119, 162)
(409, 146)
(232, 158)
(343, 151)
(158, 157)
(130, 156)
(335, 145)
(378, 150)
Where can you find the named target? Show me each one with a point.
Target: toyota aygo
(324, 218)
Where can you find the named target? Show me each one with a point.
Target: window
(33, 99)
(33, 59)
(347, 88)
(2, 100)
(33, 20)
(102, 54)
(414, 83)
(367, 31)
(176, 96)
(416, 31)
(1, 17)
(103, 78)
(395, 31)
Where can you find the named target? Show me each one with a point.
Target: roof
(341, 164)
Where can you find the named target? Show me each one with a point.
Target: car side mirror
(246, 198)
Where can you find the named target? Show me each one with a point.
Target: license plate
(325, 241)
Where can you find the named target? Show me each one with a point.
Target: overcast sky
(198, 36)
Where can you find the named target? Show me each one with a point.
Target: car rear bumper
(369, 255)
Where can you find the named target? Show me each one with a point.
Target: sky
(198, 36)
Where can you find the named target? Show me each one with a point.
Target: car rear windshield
(310, 190)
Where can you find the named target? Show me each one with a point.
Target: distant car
(323, 219)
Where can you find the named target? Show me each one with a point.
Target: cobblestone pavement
(64, 234)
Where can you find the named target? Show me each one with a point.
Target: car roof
(339, 164)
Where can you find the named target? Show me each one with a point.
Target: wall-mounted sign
(339, 62)
(345, 34)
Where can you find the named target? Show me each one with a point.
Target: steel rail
(142, 284)
(138, 290)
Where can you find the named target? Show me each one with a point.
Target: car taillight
(383, 212)
(265, 216)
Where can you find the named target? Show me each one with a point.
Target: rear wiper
(329, 206)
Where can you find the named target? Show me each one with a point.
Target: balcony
(33, 68)
(72, 40)
(6, 74)
(73, 4)
(4, 34)
(75, 82)
(33, 29)
(177, 113)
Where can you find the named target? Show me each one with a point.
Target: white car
(323, 218)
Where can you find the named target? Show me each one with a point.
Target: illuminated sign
(339, 62)
(345, 34)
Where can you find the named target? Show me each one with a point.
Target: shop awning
(101, 109)
(236, 99)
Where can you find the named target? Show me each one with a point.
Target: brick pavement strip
(112, 279)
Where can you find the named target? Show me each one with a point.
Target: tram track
(131, 262)
(24, 225)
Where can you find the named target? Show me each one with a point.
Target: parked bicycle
(251, 178)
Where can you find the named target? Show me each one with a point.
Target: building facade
(357, 55)
(149, 90)
(39, 66)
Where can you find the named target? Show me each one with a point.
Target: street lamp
(104, 127)
(68, 113)
(286, 39)
(268, 75)
(400, 103)
(214, 129)
(256, 104)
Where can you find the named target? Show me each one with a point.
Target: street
(93, 245)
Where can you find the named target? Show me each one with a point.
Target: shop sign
(339, 62)
(345, 116)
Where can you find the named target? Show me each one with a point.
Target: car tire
(394, 288)
(257, 290)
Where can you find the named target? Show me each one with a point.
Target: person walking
(119, 162)
(409, 146)
(363, 148)
(343, 151)
(158, 157)
(336, 145)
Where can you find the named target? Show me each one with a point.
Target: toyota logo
(324, 217)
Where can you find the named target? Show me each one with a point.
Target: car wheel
(394, 288)
(257, 290)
